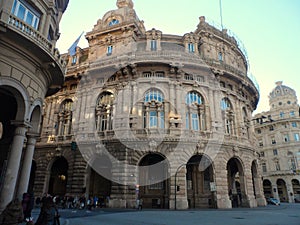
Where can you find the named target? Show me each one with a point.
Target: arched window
(195, 112)
(65, 118)
(104, 111)
(154, 115)
(246, 123)
(228, 116)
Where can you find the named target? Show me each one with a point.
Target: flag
(72, 49)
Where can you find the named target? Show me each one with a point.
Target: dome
(282, 96)
(281, 90)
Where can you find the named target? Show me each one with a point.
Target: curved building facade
(277, 132)
(30, 69)
(164, 118)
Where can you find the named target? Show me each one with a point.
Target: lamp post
(175, 183)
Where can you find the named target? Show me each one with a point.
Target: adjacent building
(31, 68)
(161, 117)
(277, 132)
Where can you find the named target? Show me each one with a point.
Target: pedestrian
(48, 214)
(12, 214)
(140, 204)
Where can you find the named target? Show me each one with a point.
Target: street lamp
(175, 183)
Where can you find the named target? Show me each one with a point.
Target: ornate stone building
(161, 117)
(30, 69)
(277, 132)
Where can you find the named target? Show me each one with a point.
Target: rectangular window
(296, 137)
(286, 138)
(220, 56)
(281, 114)
(191, 47)
(294, 124)
(187, 121)
(195, 121)
(262, 154)
(153, 45)
(275, 152)
(74, 60)
(264, 167)
(292, 113)
(109, 50)
(273, 141)
(26, 13)
(152, 119)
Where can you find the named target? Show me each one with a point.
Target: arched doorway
(267, 185)
(7, 114)
(58, 177)
(100, 180)
(296, 189)
(255, 179)
(153, 181)
(236, 183)
(282, 191)
(199, 176)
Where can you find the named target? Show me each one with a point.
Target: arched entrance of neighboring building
(296, 189)
(58, 177)
(100, 180)
(236, 183)
(153, 181)
(267, 185)
(282, 191)
(199, 176)
(8, 113)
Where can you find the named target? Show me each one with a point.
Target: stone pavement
(285, 214)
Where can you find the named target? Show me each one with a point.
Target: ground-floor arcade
(196, 180)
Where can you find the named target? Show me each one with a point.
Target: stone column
(290, 191)
(26, 168)
(10, 179)
(275, 191)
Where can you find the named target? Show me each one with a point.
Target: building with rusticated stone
(142, 114)
(277, 132)
(30, 69)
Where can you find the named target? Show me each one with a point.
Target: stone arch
(153, 181)
(99, 179)
(296, 189)
(282, 190)
(236, 183)
(267, 186)
(199, 178)
(35, 120)
(57, 184)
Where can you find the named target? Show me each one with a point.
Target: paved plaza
(285, 214)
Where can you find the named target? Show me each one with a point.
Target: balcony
(31, 42)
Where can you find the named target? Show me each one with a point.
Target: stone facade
(30, 69)
(161, 117)
(277, 132)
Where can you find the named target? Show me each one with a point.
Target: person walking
(48, 214)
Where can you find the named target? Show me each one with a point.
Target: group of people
(17, 212)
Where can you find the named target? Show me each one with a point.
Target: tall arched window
(104, 111)
(65, 118)
(228, 116)
(246, 123)
(195, 112)
(154, 115)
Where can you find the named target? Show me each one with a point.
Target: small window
(188, 77)
(281, 114)
(296, 137)
(273, 141)
(258, 131)
(292, 113)
(191, 47)
(200, 79)
(73, 86)
(264, 167)
(113, 22)
(271, 128)
(74, 60)
(109, 50)
(261, 144)
(289, 102)
(220, 56)
(275, 152)
(286, 138)
(294, 124)
(277, 166)
(153, 45)
(280, 103)
(262, 154)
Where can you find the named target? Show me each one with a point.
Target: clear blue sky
(269, 29)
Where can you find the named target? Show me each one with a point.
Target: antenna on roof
(221, 17)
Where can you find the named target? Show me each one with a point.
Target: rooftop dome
(281, 90)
